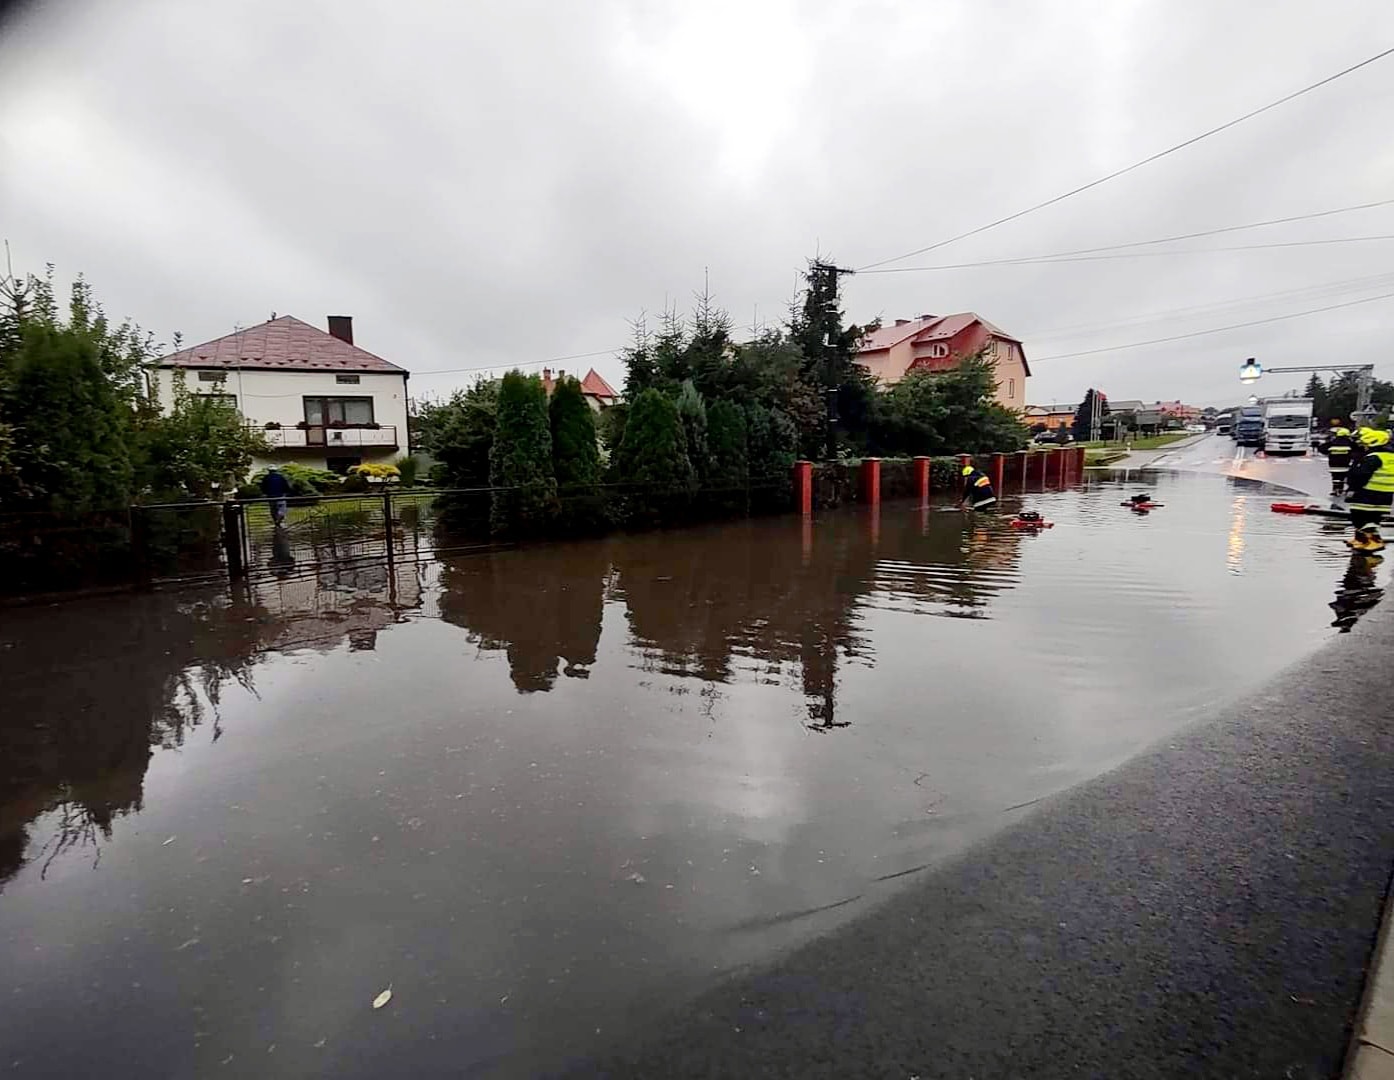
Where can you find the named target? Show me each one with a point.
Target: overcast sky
(488, 183)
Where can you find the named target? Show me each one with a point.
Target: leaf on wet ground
(383, 998)
(637, 878)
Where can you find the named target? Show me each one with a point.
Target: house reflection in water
(76, 743)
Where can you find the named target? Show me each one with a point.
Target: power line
(1135, 165)
(1168, 239)
(510, 364)
(1214, 330)
(1065, 256)
(1312, 291)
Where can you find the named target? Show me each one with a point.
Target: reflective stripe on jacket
(1371, 481)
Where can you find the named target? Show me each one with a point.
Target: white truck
(1287, 425)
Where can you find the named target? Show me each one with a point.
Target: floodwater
(544, 795)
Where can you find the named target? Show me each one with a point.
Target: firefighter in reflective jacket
(1371, 484)
(977, 489)
(1337, 451)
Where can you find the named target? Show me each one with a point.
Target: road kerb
(1371, 1056)
(1371, 1063)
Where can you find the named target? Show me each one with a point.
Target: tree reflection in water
(750, 601)
(77, 733)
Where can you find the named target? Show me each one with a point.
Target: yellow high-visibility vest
(1383, 480)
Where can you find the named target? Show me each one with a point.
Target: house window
(346, 380)
(341, 464)
(344, 411)
(212, 376)
(1011, 389)
(938, 350)
(230, 400)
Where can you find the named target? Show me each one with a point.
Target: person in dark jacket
(1370, 481)
(977, 490)
(276, 487)
(1337, 451)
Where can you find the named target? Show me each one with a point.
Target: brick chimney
(341, 327)
(901, 322)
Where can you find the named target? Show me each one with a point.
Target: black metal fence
(181, 542)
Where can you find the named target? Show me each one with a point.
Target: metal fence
(175, 542)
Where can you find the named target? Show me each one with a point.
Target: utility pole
(822, 284)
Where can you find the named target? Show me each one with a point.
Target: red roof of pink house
(939, 327)
(594, 385)
(284, 344)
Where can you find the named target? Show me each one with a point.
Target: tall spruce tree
(652, 461)
(575, 457)
(520, 460)
(693, 412)
(729, 475)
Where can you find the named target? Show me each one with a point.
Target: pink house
(939, 343)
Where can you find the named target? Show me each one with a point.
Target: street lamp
(1250, 371)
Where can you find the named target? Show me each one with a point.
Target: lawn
(1146, 442)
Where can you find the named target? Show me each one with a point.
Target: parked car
(1060, 437)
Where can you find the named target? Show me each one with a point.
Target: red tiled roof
(930, 328)
(284, 344)
(596, 386)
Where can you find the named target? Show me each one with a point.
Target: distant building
(319, 399)
(1175, 410)
(599, 394)
(1052, 417)
(940, 343)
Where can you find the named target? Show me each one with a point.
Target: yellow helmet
(1340, 430)
(1372, 437)
(967, 470)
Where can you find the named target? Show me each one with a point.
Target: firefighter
(977, 490)
(1370, 481)
(1337, 450)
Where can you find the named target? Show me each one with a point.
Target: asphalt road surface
(1218, 453)
(1206, 910)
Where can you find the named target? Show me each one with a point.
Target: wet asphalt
(1208, 909)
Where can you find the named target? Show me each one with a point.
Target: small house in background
(319, 399)
(940, 343)
(1053, 417)
(599, 394)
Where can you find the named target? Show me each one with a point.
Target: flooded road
(546, 794)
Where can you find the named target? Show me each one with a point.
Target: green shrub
(771, 439)
(575, 459)
(652, 462)
(408, 467)
(729, 477)
(305, 482)
(693, 412)
(520, 460)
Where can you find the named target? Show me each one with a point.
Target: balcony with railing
(305, 436)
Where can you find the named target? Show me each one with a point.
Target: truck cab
(1248, 426)
(1287, 425)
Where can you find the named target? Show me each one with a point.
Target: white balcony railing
(316, 437)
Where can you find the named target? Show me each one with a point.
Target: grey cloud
(496, 183)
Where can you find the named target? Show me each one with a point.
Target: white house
(318, 398)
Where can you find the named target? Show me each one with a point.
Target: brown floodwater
(545, 794)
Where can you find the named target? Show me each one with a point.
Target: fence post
(1022, 458)
(871, 481)
(140, 546)
(998, 470)
(387, 524)
(803, 486)
(233, 545)
(922, 480)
